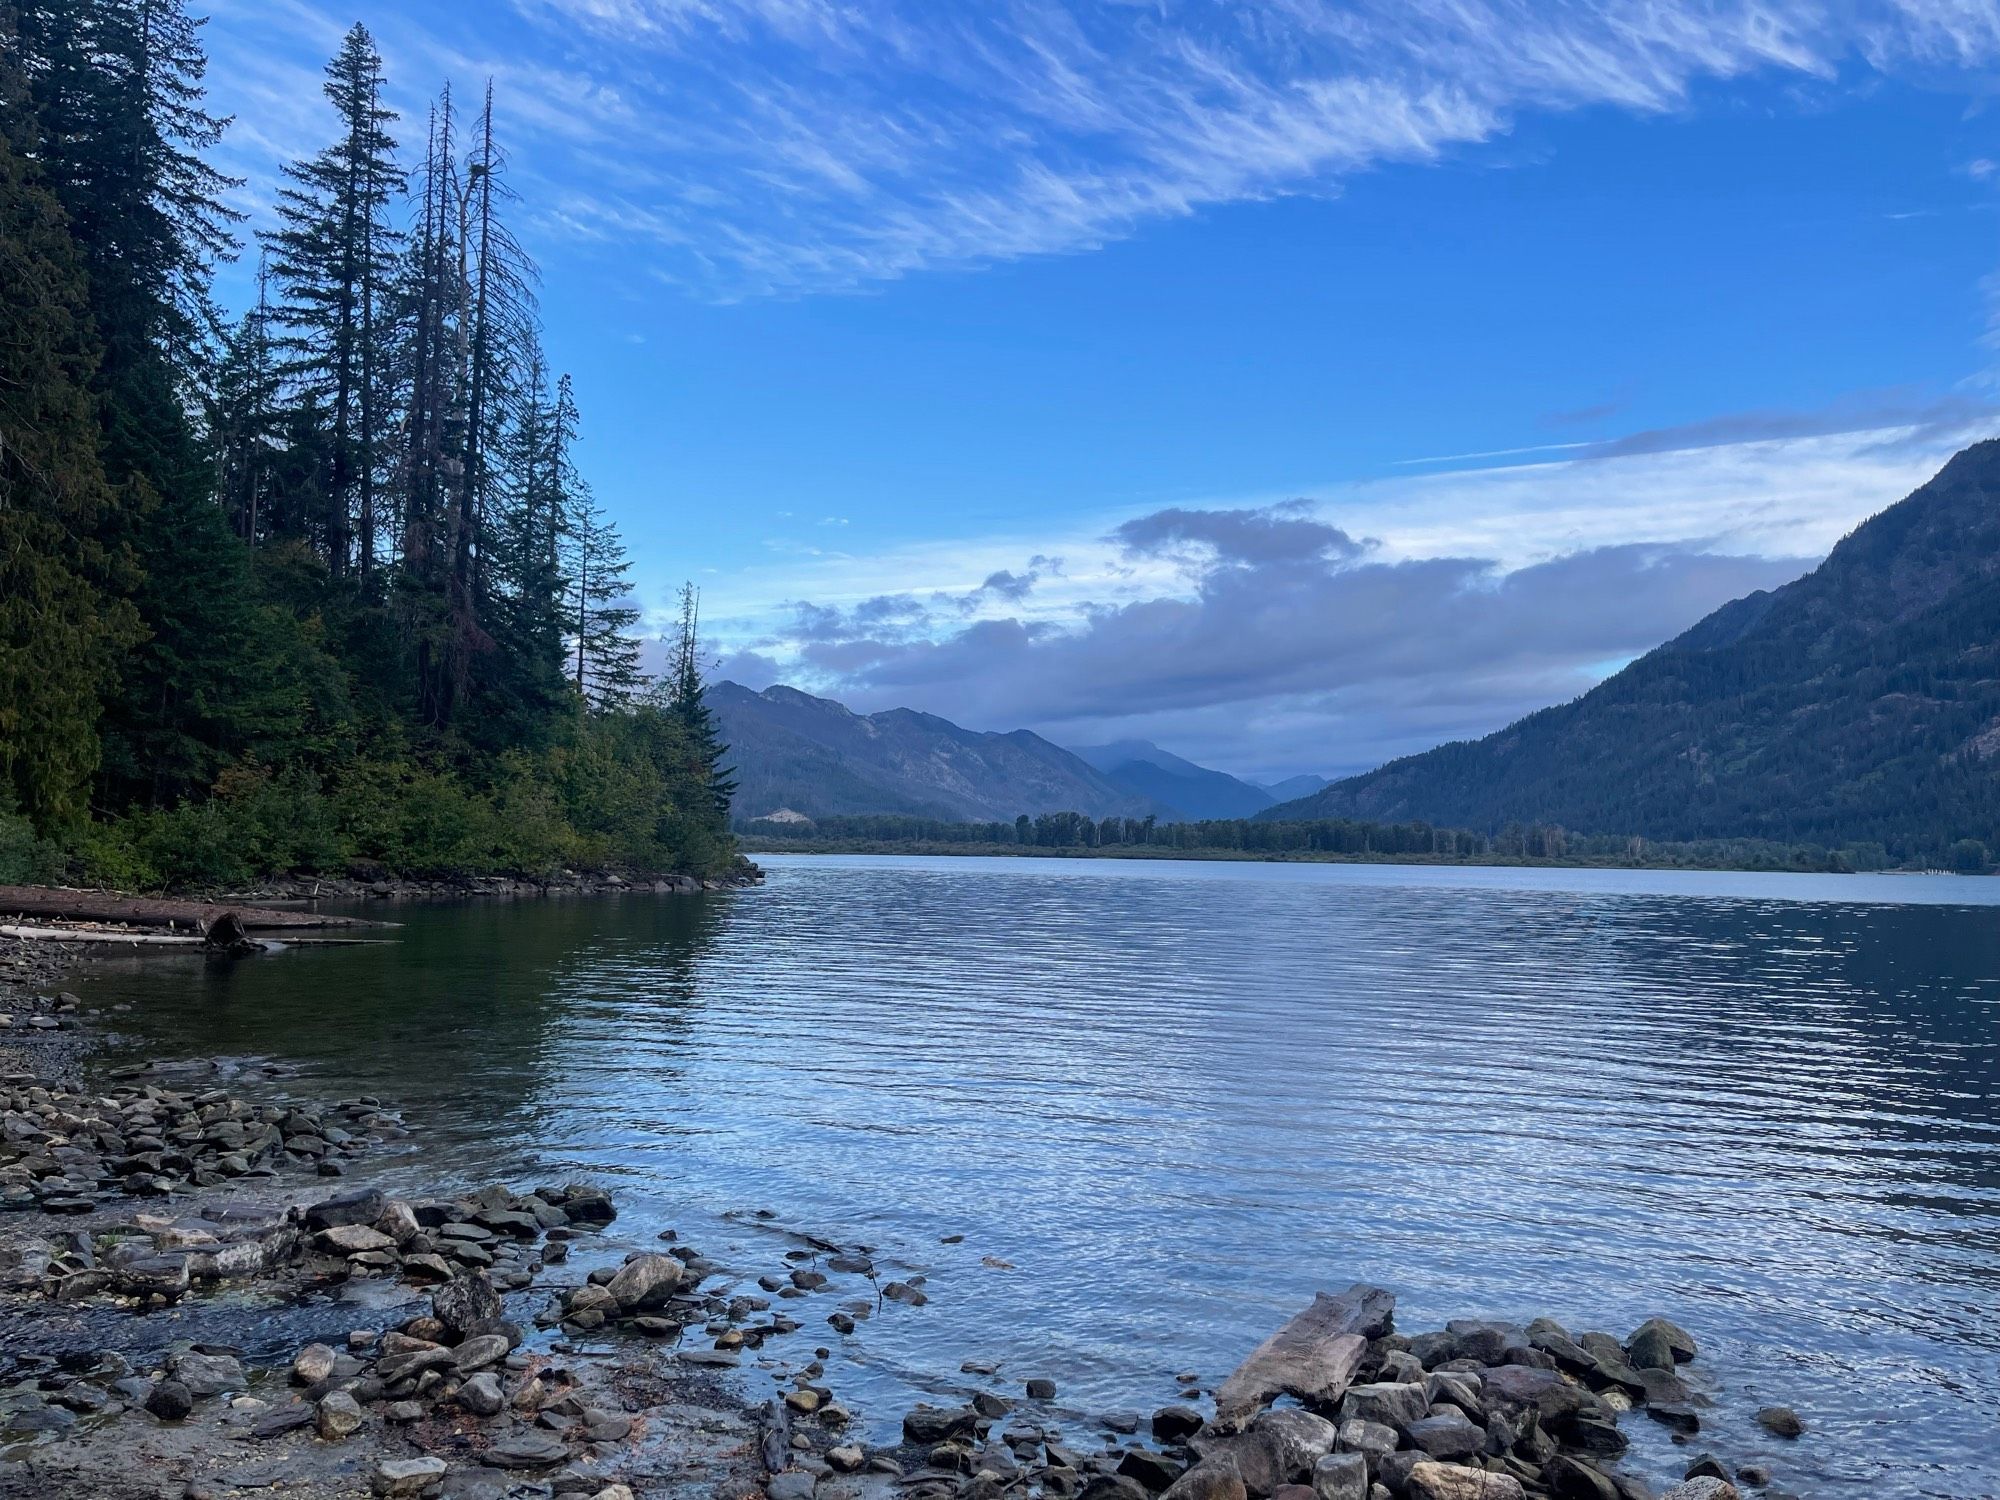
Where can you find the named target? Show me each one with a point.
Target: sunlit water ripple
(1178, 1099)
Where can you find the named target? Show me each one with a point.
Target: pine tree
(60, 631)
(333, 257)
(604, 651)
(687, 702)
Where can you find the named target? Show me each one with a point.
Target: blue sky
(1296, 384)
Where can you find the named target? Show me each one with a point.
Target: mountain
(1858, 704)
(1294, 787)
(793, 752)
(1182, 788)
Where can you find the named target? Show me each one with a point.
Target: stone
(902, 1291)
(1677, 1338)
(848, 1458)
(1447, 1435)
(1393, 1405)
(1486, 1342)
(395, 1477)
(338, 1416)
(930, 1425)
(479, 1351)
(391, 1368)
(465, 1302)
(1041, 1390)
(352, 1239)
(1280, 1448)
(1341, 1476)
(1211, 1479)
(482, 1395)
(1650, 1349)
(1518, 1387)
(363, 1206)
(1553, 1340)
(991, 1406)
(1703, 1489)
(805, 1402)
(793, 1484)
(526, 1450)
(1176, 1424)
(646, 1282)
(1111, 1487)
(1573, 1479)
(1370, 1439)
(207, 1374)
(1780, 1421)
(1154, 1470)
(1435, 1481)
(313, 1364)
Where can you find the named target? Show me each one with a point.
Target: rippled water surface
(1173, 1100)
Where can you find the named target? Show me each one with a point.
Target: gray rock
(464, 1303)
(482, 1395)
(646, 1282)
(479, 1351)
(1211, 1479)
(397, 1477)
(1703, 1489)
(1176, 1424)
(1448, 1435)
(1436, 1481)
(1153, 1470)
(338, 1416)
(1650, 1349)
(1041, 1390)
(1370, 1439)
(169, 1400)
(525, 1450)
(1280, 1448)
(313, 1364)
(927, 1426)
(207, 1374)
(1341, 1476)
(362, 1206)
(1780, 1421)
(1394, 1405)
(1677, 1338)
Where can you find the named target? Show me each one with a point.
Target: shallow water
(1174, 1099)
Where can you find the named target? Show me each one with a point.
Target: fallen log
(124, 937)
(1313, 1357)
(144, 911)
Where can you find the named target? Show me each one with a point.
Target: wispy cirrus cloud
(774, 146)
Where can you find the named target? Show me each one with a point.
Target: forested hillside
(319, 583)
(1856, 707)
(795, 753)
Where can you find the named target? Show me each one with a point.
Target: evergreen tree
(333, 257)
(687, 702)
(604, 651)
(59, 629)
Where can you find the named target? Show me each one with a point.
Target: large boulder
(360, 1206)
(1394, 1405)
(207, 1374)
(1435, 1481)
(465, 1303)
(1211, 1479)
(645, 1282)
(1280, 1448)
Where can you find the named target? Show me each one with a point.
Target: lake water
(1164, 1103)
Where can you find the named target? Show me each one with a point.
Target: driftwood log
(1313, 1357)
(51, 903)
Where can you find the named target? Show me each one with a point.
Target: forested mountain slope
(793, 752)
(1859, 704)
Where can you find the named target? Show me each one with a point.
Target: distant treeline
(1326, 839)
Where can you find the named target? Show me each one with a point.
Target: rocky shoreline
(193, 1306)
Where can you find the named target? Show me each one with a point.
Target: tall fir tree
(686, 694)
(333, 256)
(604, 652)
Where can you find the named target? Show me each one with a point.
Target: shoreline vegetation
(1328, 841)
(318, 587)
(177, 1241)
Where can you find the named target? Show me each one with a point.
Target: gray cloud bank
(1292, 648)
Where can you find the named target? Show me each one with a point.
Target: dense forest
(320, 586)
(1315, 839)
(1856, 707)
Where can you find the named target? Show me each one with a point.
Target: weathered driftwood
(142, 911)
(1313, 1357)
(122, 937)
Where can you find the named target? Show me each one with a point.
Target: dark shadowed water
(1174, 1099)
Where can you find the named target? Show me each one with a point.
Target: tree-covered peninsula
(319, 585)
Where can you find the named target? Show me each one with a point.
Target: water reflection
(1180, 1099)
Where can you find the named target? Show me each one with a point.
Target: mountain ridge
(1857, 704)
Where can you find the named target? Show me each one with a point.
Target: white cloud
(1261, 635)
(794, 145)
